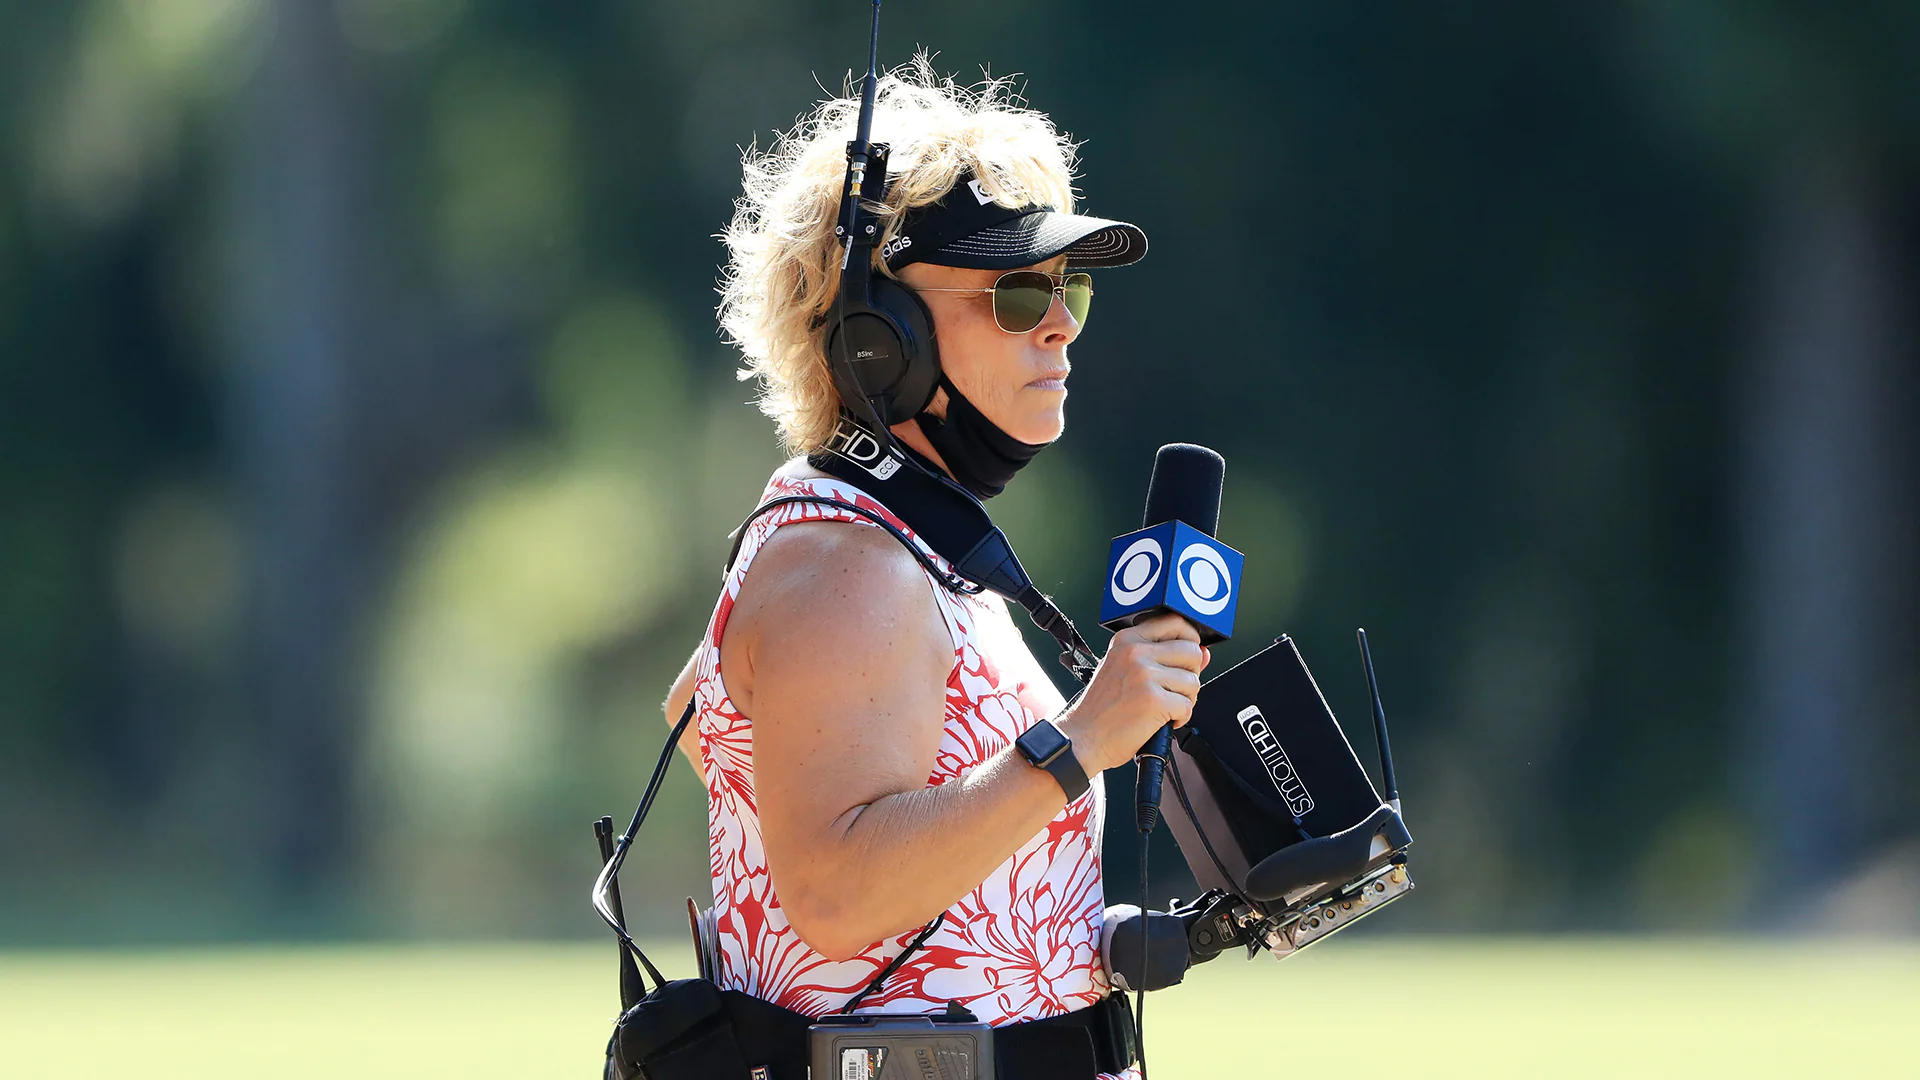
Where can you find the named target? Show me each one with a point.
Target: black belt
(1072, 1046)
(1100, 1036)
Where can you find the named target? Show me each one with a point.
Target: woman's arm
(842, 660)
(676, 704)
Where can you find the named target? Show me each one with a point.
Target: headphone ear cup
(920, 375)
(884, 349)
(866, 357)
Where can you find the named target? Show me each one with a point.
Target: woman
(856, 719)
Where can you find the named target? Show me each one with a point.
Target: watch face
(1042, 741)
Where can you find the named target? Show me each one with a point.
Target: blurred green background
(367, 447)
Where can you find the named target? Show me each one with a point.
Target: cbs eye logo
(1205, 583)
(1136, 571)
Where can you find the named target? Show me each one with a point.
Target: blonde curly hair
(783, 262)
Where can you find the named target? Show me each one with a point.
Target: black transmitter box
(901, 1046)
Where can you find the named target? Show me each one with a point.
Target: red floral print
(1024, 944)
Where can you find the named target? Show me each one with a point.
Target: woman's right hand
(1149, 677)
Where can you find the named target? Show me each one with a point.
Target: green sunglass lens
(1078, 294)
(1021, 299)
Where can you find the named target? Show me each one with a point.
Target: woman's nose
(1059, 327)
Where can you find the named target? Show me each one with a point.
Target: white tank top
(1024, 944)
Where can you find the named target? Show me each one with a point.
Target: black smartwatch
(1043, 745)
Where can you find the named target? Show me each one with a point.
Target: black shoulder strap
(602, 898)
(947, 518)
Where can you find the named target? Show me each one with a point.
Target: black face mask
(979, 456)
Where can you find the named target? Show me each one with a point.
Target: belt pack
(690, 1029)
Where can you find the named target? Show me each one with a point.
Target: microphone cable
(1140, 992)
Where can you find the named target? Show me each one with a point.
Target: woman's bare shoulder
(855, 558)
(834, 598)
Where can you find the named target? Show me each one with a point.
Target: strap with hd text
(947, 518)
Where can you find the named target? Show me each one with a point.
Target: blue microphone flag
(1172, 567)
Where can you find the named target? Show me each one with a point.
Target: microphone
(1173, 563)
(1185, 486)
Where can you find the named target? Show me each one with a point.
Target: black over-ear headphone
(880, 345)
(880, 341)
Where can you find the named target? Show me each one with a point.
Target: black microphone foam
(1185, 487)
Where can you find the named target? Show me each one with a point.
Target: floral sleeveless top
(1024, 944)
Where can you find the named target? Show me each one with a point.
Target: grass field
(1383, 1007)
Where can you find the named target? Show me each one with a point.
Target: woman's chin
(1042, 429)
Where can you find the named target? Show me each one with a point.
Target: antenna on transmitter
(857, 232)
(1379, 724)
(856, 227)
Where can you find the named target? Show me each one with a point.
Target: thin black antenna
(858, 230)
(858, 156)
(867, 91)
(632, 989)
(1379, 724)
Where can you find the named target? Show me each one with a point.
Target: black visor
(967, 229)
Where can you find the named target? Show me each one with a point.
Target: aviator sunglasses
(1021, 298)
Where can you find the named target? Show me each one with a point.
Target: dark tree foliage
(1498, 311)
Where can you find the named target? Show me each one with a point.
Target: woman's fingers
(1168, 627)
(1182, 682)
(1187, 655)
(1149, 677)
(1169, 640)
(1178, 706)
